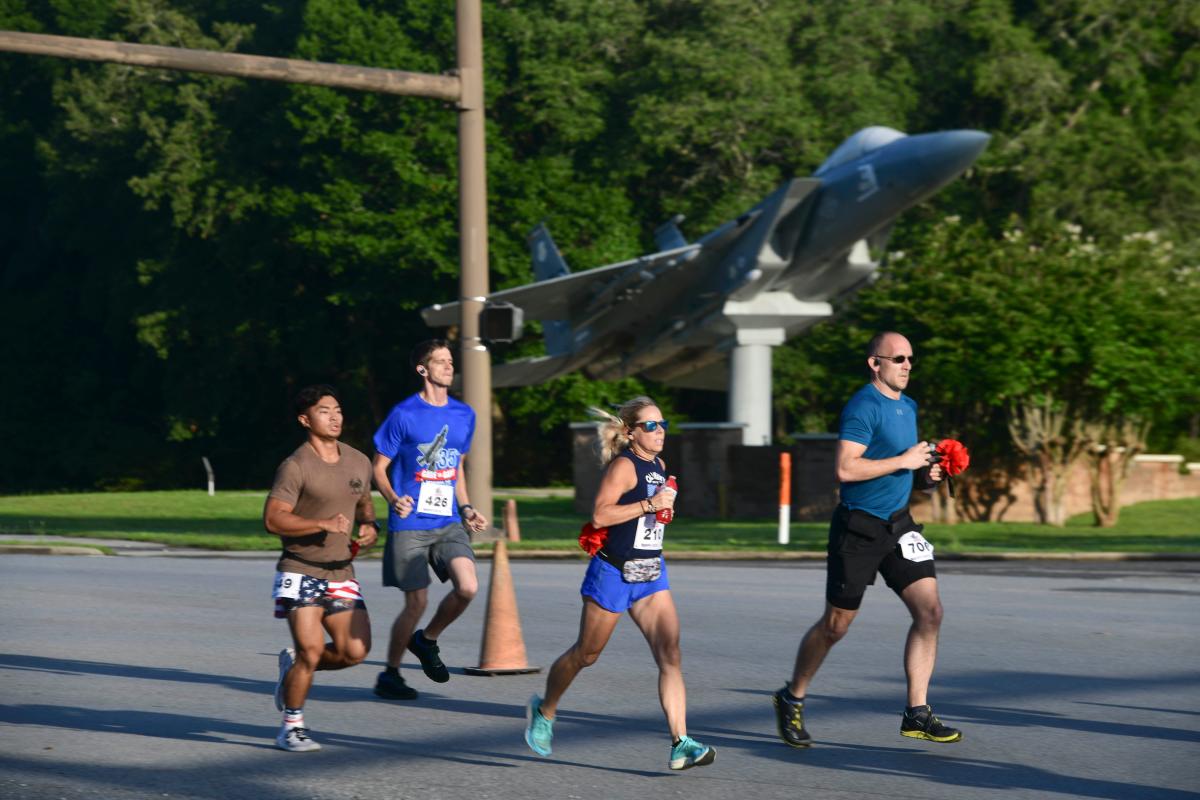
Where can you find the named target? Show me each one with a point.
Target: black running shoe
(430, 657)
(789, 718)
(394, 688)
(922, 724)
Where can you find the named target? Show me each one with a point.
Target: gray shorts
(407, 554)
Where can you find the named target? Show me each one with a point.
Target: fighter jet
(432, 451)
(677, 315)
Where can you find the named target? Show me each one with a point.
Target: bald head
(889, 360)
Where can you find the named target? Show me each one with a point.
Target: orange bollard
(512, 528)
(785, 497)
(502, 651)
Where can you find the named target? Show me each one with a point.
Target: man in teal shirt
(873, 532)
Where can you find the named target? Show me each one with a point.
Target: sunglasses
(651, 425)
(896, 359)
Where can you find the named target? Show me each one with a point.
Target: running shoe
(789, 719)
(430, 657)
(393, 687)
(690, 753)
(922, 724)
(287, 657)
(539, 731)
(295, 740)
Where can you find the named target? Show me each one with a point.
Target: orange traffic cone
(502, 651)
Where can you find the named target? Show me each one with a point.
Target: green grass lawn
(232, 521)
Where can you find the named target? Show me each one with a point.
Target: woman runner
(627, 574)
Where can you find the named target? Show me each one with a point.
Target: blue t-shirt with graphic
(426, 444)
(887, 427)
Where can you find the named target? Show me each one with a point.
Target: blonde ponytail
(612, 430)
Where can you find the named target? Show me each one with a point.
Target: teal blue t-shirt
(887, 427)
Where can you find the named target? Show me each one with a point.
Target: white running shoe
(295, 740)
(287, 657)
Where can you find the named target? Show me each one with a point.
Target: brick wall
(720, 478)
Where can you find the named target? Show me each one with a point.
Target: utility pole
(473, 250)
(465, 89)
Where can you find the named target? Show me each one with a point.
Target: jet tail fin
(548, 263)
(668, 236)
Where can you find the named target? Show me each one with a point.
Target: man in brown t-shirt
(321, 494)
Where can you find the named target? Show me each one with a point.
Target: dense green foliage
(181, 252)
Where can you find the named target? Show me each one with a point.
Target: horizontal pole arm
(290, 70)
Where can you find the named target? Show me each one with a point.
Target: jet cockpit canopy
(859, 145)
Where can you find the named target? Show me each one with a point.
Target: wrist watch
(462, 510)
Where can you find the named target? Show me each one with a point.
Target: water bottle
(665, 515)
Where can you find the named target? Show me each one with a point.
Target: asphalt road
(152, 677)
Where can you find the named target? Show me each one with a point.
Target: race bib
(436, 498)
(649, 534)
(915, 547)
(287, 586)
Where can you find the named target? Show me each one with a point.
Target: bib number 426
(436, 498)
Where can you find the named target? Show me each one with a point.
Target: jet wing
(555, 298)
(530, 371)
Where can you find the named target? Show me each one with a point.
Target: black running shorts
(860, 545)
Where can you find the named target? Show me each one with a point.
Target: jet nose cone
(954, 151)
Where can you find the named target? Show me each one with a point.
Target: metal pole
(212, 481)
(473, 243)
(288, 70)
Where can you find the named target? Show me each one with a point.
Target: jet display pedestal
(760, 324)
(750, 382)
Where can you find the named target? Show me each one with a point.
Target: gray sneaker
(287, 657)
(295, 740)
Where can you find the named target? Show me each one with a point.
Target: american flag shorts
(293, 590)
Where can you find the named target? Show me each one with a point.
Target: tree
(1072, 345)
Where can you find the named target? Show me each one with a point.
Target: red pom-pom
(955, 456)
(591, 538)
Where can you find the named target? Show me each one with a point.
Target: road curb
(50, 550)
(574, 555)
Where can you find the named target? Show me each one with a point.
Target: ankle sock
(293, 718)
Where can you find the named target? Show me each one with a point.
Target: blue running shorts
(603, 583)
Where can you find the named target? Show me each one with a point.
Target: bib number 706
(915, 547)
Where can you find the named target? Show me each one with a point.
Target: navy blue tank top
(642, 536)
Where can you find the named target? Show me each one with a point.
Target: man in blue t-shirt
(420, 451)
(873, 531)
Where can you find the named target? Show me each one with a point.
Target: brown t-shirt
(317, 490)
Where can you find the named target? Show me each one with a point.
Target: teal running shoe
(539, 731)
(690, 753)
